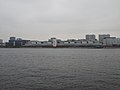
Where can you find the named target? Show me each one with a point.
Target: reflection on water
(59, 69)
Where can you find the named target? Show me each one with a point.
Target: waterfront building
(12, 38)
(13, 42)
(102, 36)
(91, 37)
(1, 41)
(46, 44)
(109, 41)
(54, 41)
(84, 42)
(32, 43)
(77, 43)
(118, 41)
(90, 42)
(112, 41)
(71, 40)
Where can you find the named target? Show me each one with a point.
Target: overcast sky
(43, 19)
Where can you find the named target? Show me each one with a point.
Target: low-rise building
(116, 42)
(109, 41)
(1, 43)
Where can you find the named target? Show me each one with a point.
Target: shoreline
(66, 47)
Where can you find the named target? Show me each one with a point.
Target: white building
(90, 42)
(109, 41)
(78, 43)
(116, 42)
(84, 42)
(33, 43)
(54, 42)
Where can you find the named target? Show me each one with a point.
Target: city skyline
(105, 40)
(86, 37)
(40, 20)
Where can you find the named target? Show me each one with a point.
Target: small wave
(63, 77)
(111, 83)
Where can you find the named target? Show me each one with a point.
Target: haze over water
(59, 69)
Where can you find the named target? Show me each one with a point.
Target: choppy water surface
(59, 69)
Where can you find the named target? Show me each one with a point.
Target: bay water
(59, 69)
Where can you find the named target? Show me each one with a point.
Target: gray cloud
(42, 19)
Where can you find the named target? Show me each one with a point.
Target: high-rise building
(90, 37)
(13, 42)
(1, 41)
(103, 36)
(12, 38)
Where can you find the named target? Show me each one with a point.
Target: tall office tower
(12, 38)
(103, 36)
(90, 37)
(1, 41)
